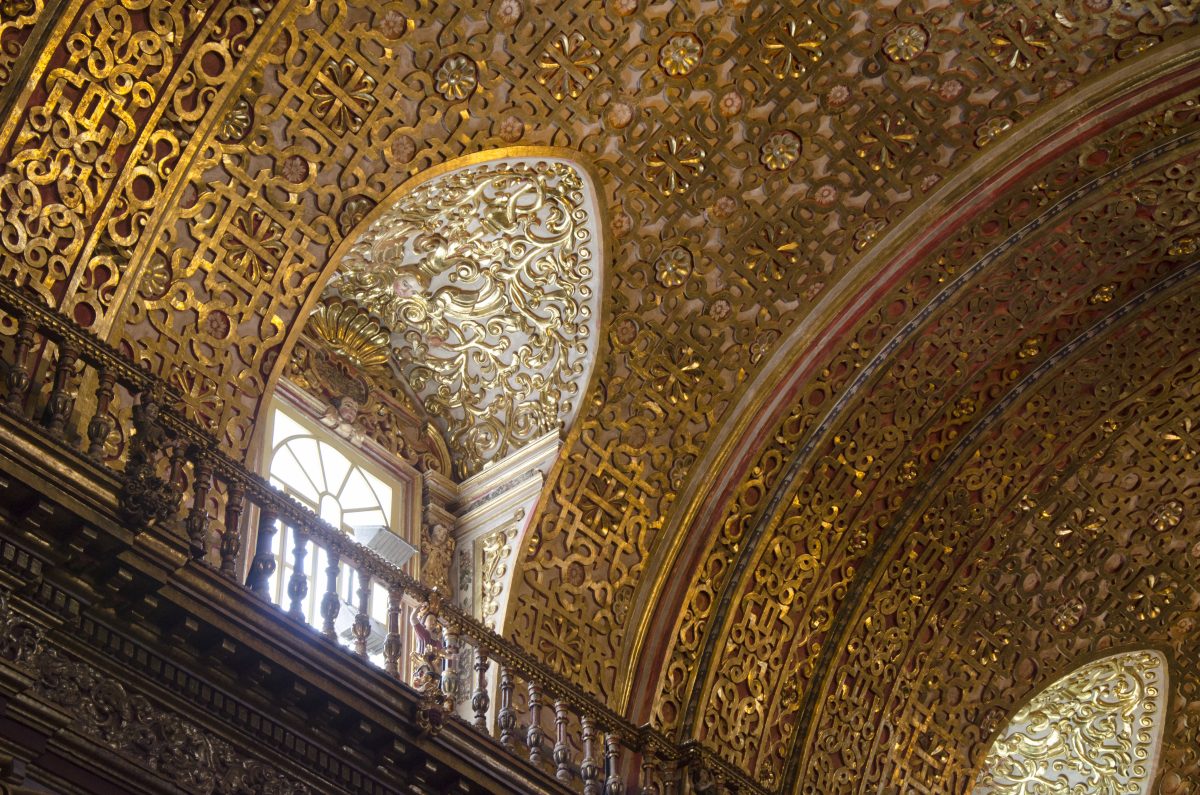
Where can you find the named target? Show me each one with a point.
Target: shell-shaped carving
(350, 331)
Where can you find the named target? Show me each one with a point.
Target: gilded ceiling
(895, 293)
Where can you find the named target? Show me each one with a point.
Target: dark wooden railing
(174, 476)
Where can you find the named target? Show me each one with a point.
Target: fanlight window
(339, 485)
(1096, 730)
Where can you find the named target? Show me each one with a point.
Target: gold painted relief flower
(1016, 44)
(780, 151)
(673, 267)
(673, 163)
(1183, 246)
(254, 244)
(568, 65)
(906, 42)
(991, 129)
(885, 142)
(1168, 515)
(236, 123)
(343, 95)
(1030, 348)
(456, 78)
(1102, 294)
(680, 55)
(790, 49)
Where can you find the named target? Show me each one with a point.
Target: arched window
(349, 491)
(1096, 730)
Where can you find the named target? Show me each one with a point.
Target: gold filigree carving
(485, 277)
(1093, 730)
(494, 550)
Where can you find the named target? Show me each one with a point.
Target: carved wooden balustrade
(175, 477)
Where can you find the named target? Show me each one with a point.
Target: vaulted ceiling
(894, 412)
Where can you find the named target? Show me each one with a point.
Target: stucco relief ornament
(456, 78)
(511, 129)
(905, 43)
(393, 24)
(680, 55)
(619, 115)
(340, 419)
(731, 104)
(621, 223)
(508, 12)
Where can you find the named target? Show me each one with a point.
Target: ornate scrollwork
(105, 711)
(146, 496)
(1094, 730)
(486, 279)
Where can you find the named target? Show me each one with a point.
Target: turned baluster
(479, 699)
(331, 604)
(533, 737)
(449, 666)
(19, 377)
(58, 406)
(197, 520)
(231, 536)
(613, 785)
(589, 771)
(506, 717)
(298, 582)
(650, 774)
(562, 750)
(362, 621)
(175, 477)
(392, 645)
(101, 425)
(262, 567)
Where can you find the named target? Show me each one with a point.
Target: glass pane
(336, 467)
(331, 511)
(357, 492)
(285, 427)
(379, 601)
(287, 467)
